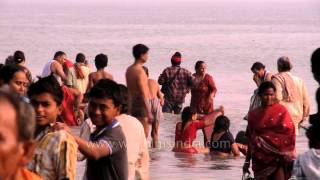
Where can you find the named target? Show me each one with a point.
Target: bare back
(154, 88)
(96, 76)
(137, 82)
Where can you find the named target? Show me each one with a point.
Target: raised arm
(58, 69)
(211, 118)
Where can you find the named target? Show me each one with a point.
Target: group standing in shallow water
(113, 135)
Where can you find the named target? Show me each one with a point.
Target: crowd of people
(36, 114)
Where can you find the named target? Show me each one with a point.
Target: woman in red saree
(202, 94)
(272, 138)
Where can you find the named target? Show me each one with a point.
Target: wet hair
(175, 63)
(315, 62)
(7, 73)
(146, 70)
(186, 116)
(264, 86)
(18, 57)
(25, 115)
(101, 61)
(80, 58)
(242, 138)
(198, 64)
(124, 94)
(49, 85)
(139, 50)
(222, 123)
(106, 88)
(58, 54)
(257, 66)
(284, 64)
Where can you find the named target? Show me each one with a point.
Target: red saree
(272, 140)
(67, 114)
(202, 102)
(200, 95)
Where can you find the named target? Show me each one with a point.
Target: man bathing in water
(137, 82)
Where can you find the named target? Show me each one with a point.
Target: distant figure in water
(156, 102)
(176, 83)
(222, 141)
(137, 83)
(272, 138)
(186, 131)
(260, 75)
(202, 94)
(291, 92)
(101, 62)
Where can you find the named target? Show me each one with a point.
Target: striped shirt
(55, 155)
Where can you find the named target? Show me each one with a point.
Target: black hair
(315, 62)
(58, 54)
(222, 123)
(18, 57)
(25, 116)
(186, 115)
(7, 72)
(146, 70)
(80, 58)
(242, 138)
(106, 88)
(124, 94)
(257, 66)
(49, 85)
(264, 86)
(139, 50)
(175, 63)
(101, 61)
(198, 64)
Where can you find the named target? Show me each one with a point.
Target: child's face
(102, 111)
(46, 108)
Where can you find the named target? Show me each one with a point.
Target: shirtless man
(101, 62)
(156, 103)
(137, 83)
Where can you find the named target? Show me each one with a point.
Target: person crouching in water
(186, 131)
(222, 141)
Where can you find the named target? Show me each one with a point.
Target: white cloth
(83, 83)
(86, 129)
(298, 109)
(307, 166)
(47, 71)
(137, 147)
